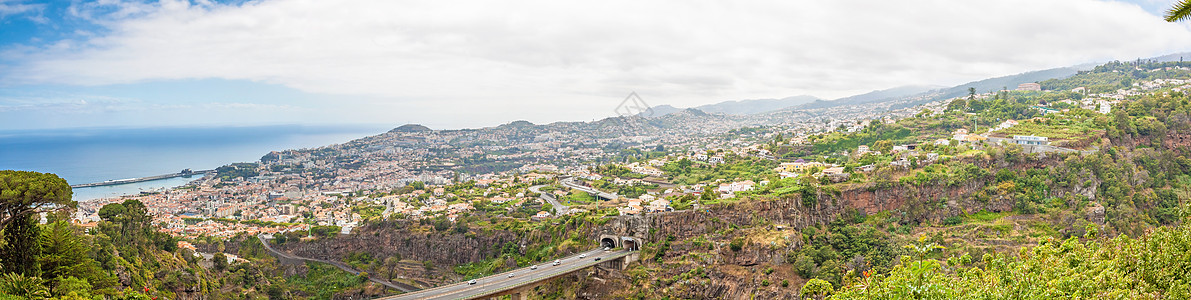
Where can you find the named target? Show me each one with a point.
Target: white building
(1030, 140)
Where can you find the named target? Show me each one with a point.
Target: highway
(559, 209)
(502, 282)
(570, 183)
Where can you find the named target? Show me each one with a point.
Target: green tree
(708, 193)
(805, 266)
(1179, 11)
(885, 146)
(24, 193)
(219, 261)
(111, 211)
(957, 105)
(64, 255)
(460, 227)
(132, 220)
(391, 264)
(816, 289)
(21, 249)
(71, 286)
(26, 287)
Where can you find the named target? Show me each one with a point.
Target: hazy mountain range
(922, 93)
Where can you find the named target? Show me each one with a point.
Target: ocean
(98, 154)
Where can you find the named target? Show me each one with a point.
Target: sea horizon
(96, 154)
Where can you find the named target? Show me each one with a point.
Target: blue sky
(106, 63)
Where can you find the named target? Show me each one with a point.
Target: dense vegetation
(1025, 226)
(126, 257)
(685, 171)
(1152, 266)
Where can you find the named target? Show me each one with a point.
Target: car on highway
(510, 275)
(598, 258)
(470, 282)
(556, 262)
(533, 267)
(582, 255)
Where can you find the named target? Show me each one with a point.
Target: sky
(467, 64)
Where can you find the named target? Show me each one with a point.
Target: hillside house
(835, 174)
(799, 166)
(1030, 140)
(1029, 86)
(660, 205)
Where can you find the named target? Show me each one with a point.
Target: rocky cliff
(707, 270)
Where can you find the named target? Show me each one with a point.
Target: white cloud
(492, 61)
(10, 8)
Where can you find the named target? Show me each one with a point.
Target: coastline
(91, 155)
(112, 191)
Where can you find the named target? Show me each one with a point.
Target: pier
(183, 173)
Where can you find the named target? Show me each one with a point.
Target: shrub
(737, 244)
(804, 266)
(952, 221)
(816, 288)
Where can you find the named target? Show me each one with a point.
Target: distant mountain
(1172, 57)
(905, 96)
(740, 107)
(517, 124)
(748, 107)
(694, 112)
(411, 128)
(874, 96)
(660, 110)
(1008, 82)
(915, 95)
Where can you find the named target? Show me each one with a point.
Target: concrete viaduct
(519, 283)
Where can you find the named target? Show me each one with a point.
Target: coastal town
(616, 166)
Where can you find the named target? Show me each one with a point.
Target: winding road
(570, 183)
(559, 209)
(395, 285)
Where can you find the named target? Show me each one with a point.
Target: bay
(85, 155)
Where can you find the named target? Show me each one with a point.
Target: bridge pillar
(517, 294)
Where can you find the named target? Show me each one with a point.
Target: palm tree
(1180, 11)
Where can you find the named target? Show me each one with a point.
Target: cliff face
(755, 270)
(1177, 140)
(443, 250)
(792, 213)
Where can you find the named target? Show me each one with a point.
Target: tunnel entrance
(608, 242)
(631, 245)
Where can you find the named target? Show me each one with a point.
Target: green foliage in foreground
(322, 281)
(1154, 266)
